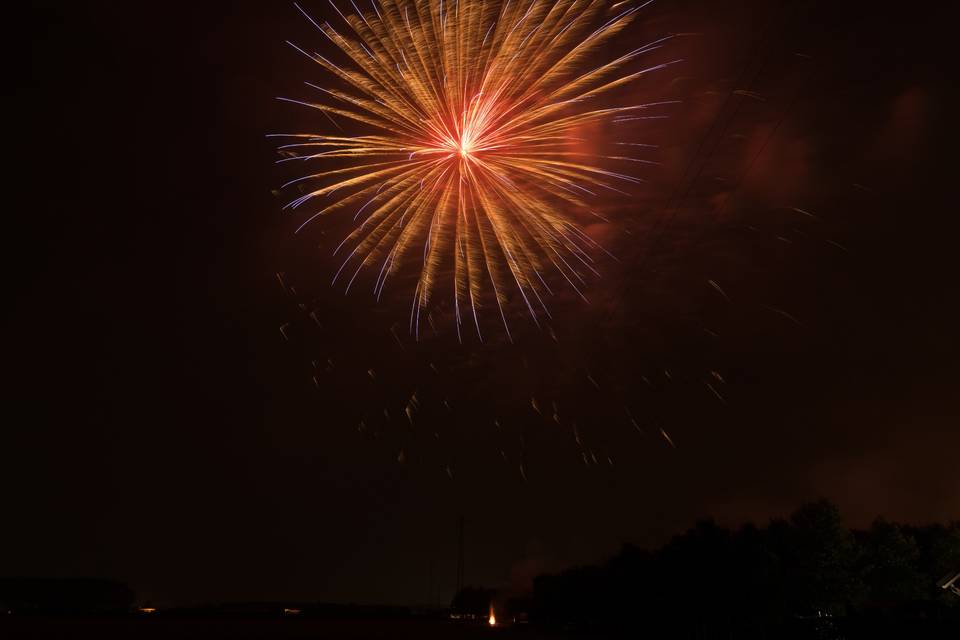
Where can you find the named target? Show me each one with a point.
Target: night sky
(175, 419)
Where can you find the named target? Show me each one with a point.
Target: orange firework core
(460, 139)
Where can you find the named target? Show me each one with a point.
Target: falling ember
(474, 165)
(492, 620)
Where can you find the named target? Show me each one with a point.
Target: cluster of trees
(761, 582)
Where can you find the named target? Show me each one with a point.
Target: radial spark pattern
(473, 163)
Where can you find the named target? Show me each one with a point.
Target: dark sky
(161, 430)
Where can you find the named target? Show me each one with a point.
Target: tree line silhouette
(804, 576)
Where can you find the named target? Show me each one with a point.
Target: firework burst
(472, 164)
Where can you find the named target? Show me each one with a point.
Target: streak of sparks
(475, 157)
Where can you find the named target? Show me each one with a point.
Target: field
(217, 628)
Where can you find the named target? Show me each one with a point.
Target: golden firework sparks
(472, 162)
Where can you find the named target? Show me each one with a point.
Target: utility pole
(460, 567)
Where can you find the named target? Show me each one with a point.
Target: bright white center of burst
(466, 142)
(464, 146)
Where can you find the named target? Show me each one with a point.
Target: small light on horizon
(492, 620)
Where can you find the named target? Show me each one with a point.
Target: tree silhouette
(805, 576)
(891, 565)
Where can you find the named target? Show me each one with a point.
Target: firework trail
(472, 165)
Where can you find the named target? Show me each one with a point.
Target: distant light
(291, 612)
(147, 610)
(492, 620)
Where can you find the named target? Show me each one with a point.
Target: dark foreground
(147, 628)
